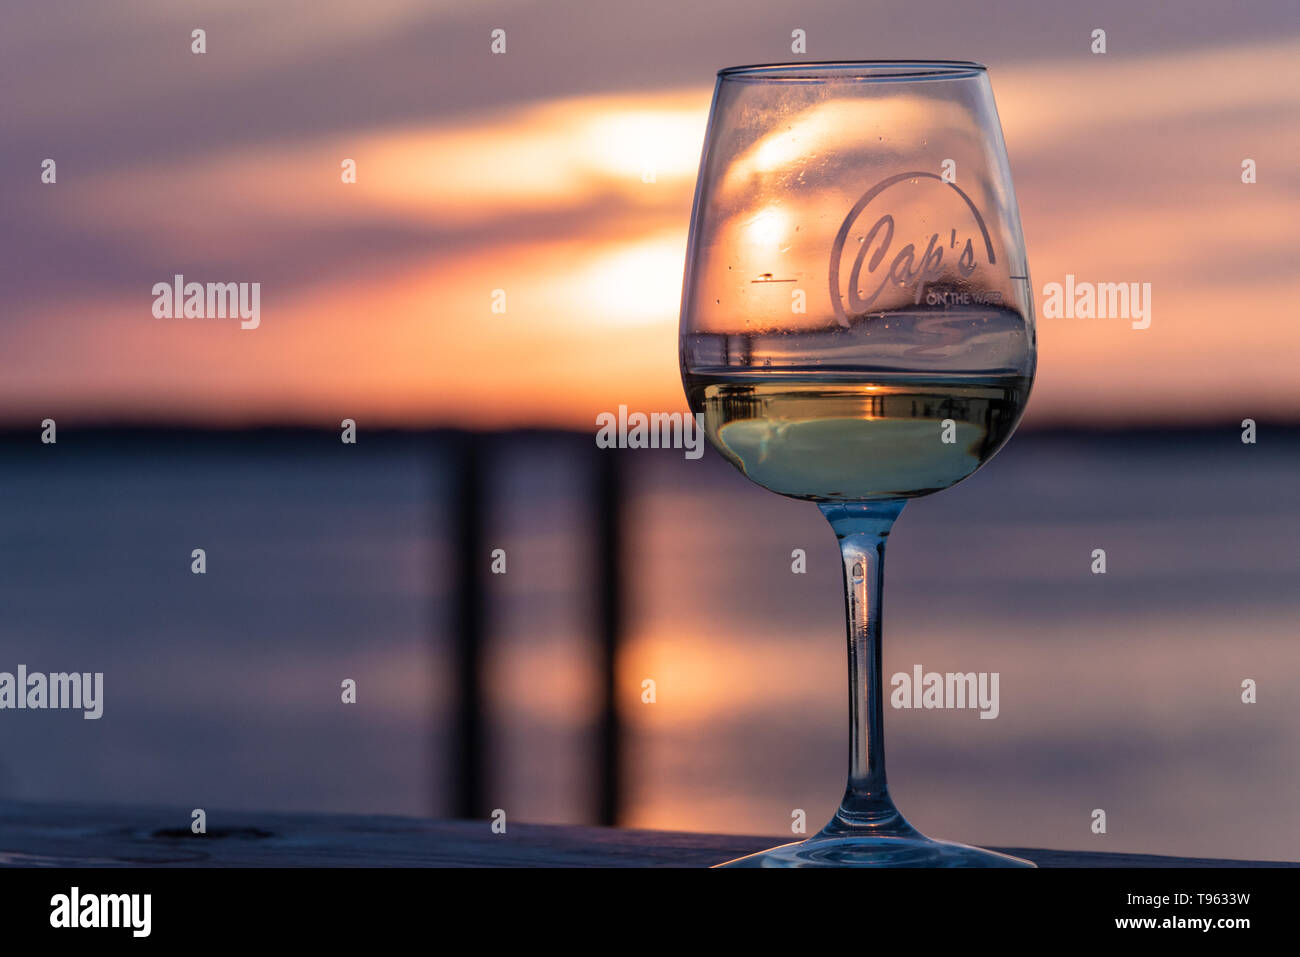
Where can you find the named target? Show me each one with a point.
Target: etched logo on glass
(940, 221)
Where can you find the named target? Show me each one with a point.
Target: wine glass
(857, 330)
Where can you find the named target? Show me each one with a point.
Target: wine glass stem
(862, 528)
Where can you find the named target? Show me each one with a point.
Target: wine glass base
(876, 851)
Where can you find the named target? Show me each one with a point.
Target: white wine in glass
(825, 439)
(857, 331)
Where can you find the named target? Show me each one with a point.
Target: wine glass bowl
(857, 330)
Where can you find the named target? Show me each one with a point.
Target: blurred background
(526, 172)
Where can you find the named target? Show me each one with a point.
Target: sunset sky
(524, 172)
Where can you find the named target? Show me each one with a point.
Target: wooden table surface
(69, 835)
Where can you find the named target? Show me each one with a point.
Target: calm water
(1118, 691)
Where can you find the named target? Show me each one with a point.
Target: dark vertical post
(609, 620)
(469, 600)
